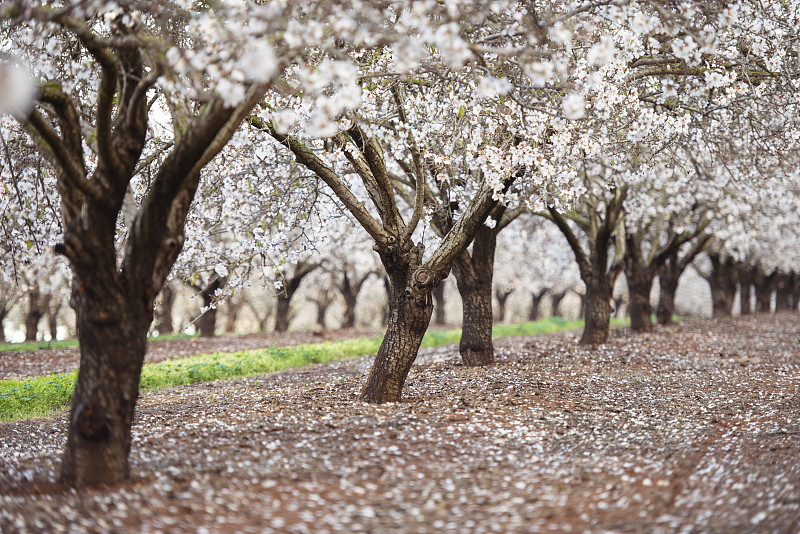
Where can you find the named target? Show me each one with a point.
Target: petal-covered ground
(694, 428)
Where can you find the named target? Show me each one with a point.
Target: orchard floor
(694, 428)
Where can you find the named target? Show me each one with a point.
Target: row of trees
(203, 143)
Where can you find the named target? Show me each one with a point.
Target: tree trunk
(795, 291)
(597, 312)
(555, 303)
(112, 331)
(640, 282)
(502, 299)
(536, 301)
(746, 279)
(3, 314)
(410, 310)
(232, 309)
(207, 323)
(722, 280)
(639, 307)
(474, 273)
(764, 286)
(163, 315)
(783, 292)
(476, 330)
(438, 306)
(322, 303)
(34, 314)
(282, 312)
(668, 285)
(52, 319)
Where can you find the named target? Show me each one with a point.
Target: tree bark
(163, 314)
(597, 311)
(640, 282)
(746, 278)
(34, 313)
(410, 311)
(722, 280)
(112, 331)
(536, 302)
(438, 306)
(474, 273)
(233, 306)
(795, 291)
(3, 314)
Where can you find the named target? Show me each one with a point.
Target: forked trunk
(112, 332)
(409, 316)
(597, 311)
(639, 303)
(476, 330)
(207, 323)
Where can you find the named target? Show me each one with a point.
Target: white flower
(451, 45)
(284, 120)
(221, 270)
(539, 73)
(232, 93)
(258, 62)
(320, 125)
(491, 223)
(602, 52)
(17, 90)
(574, 106)
(669, 88)
(684, 48)
(489, 87)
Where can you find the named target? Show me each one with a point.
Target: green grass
(32, 397)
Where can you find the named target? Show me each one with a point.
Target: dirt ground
(694, 428)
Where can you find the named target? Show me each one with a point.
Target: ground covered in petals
(694, 428)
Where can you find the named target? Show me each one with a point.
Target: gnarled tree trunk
(410, 310)
(112, 331)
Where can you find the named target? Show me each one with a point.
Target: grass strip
(36, 396)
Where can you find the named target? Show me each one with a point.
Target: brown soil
(694, 428)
